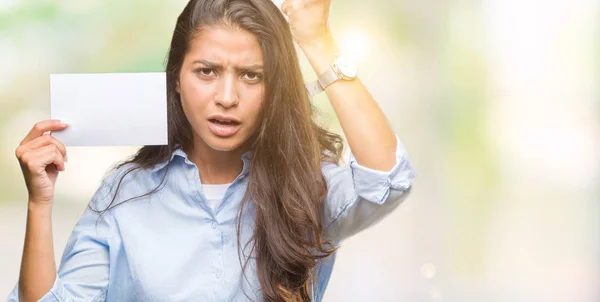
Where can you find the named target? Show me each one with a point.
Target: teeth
(224, 121)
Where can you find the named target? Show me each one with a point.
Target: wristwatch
(341, 69)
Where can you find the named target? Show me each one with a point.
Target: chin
(223, 144)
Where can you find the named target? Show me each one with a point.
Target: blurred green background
(496, 101)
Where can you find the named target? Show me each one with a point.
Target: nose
(227, 94)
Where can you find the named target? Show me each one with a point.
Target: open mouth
(223, 128)
(224, 122)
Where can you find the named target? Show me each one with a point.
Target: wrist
(34, 205)
(320, 52)
(325, 40)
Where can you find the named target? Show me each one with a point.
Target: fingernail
(64, 123)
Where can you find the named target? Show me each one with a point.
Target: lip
(224, 130)
(224, 117)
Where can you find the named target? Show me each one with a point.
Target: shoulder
(121, 182)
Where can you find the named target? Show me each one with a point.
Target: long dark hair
(285, 180)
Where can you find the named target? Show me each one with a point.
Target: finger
(37, 160)
(286, 7)
(42, 141)
(41, 127)
(49, 154)
(59, 161)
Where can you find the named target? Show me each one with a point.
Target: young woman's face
(221, 86)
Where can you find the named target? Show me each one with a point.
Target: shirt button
(218, 274)
(214, 225)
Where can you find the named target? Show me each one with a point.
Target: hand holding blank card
(111, 109)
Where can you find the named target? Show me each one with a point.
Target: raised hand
(308, 19)
(41, 157)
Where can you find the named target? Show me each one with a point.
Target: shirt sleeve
(359, 197)
(84, 268)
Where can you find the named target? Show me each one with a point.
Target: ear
(177, 87)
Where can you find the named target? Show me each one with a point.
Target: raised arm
(380, 174)
(366, 128)
(41, 158)
(84, 271)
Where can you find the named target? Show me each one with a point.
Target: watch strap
(314, 88)
(326, 79)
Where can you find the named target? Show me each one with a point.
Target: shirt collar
(246, 157)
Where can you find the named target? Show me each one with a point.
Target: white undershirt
(214, 194)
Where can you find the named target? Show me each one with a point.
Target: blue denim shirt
(172, 246)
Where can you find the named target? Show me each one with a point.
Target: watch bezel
(340, 63)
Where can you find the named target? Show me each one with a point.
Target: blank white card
(110, 109)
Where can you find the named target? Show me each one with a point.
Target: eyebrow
(241, 69)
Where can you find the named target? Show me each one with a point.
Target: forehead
(225, 44)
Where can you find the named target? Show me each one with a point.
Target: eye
(252, 76)
(205, 71)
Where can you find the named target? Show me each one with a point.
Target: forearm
(38, 269)
(369, 134)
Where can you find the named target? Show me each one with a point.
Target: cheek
(194, 97)
(255, 102)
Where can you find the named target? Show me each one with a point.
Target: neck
(214, 166)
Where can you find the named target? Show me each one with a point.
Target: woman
(247, 201)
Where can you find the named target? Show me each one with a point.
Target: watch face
(346, 67)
